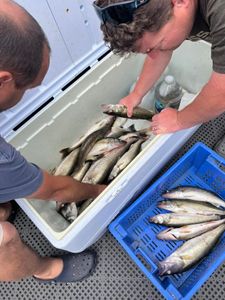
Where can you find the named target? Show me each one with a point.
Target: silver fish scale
(126, 159)
(117, 277)
(100, 168)
(194, 249)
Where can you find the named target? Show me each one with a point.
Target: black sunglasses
(117, 13)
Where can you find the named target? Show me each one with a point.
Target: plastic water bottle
(168, 93)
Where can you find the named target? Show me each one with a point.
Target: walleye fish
(180, 219)
(188, 206)
(189, 231)
(131, 135)
(195, 194)
(101, 167)
(90, 142)
(97, 126)
(79, 173)
(121, 111)
(117, 132)
(68, 163)
(69, 211)
(124, 161)
(102, 146)
(190, 252)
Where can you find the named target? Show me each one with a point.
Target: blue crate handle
(218, 162)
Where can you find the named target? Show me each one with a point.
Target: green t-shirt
(209, 25)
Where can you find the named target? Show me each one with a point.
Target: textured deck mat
(116, 276)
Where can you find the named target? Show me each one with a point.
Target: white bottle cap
(169, 79)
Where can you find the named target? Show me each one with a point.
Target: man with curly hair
(156, 28)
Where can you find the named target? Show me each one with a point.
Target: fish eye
(148, 50)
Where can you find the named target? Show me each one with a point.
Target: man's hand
(166, 121)
(131, 101)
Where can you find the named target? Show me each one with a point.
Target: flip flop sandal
(76, 267)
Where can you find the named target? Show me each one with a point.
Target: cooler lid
(74, 34)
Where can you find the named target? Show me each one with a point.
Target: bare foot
(51, 268)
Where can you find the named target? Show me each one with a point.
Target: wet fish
(146, 132)
(124, 161)
(102, 167)
(175, 219)
(121, 111)
(119, 122)
(102, 146)
(189, 231)
(78, 174)
(69, 211)
(84, 205)
(188, 206)
(195, 194)
(97, 126)
(131, 135)
(117, 132)
(190, 252)
(68, 163)
(90, 142)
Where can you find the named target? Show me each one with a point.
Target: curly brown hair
(151, 17)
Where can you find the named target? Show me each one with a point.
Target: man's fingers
(129, 111)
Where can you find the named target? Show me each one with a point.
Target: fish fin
(65, 152)
(131, 128)
(96, 157)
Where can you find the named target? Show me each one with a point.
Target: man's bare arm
(151, 71)
(65, 189)
(155, 63)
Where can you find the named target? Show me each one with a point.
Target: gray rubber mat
(116, 277)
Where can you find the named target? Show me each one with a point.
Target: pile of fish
(101, 154)
(198, 218)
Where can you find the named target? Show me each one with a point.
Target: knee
(9, 233)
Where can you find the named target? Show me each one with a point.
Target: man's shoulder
(207, 20)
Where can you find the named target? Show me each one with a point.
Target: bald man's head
(22, 42)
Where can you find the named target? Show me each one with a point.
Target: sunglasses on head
(117, 13)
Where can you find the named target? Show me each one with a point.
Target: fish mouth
(166, 235)
(162, 269)
(161, 205)
(105, 107)
(170, 266)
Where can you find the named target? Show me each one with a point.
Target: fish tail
(131, 128)
(104, 107)
(65, 152)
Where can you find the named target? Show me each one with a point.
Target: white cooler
(69, 114)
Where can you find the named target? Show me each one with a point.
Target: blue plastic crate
(201, 167)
